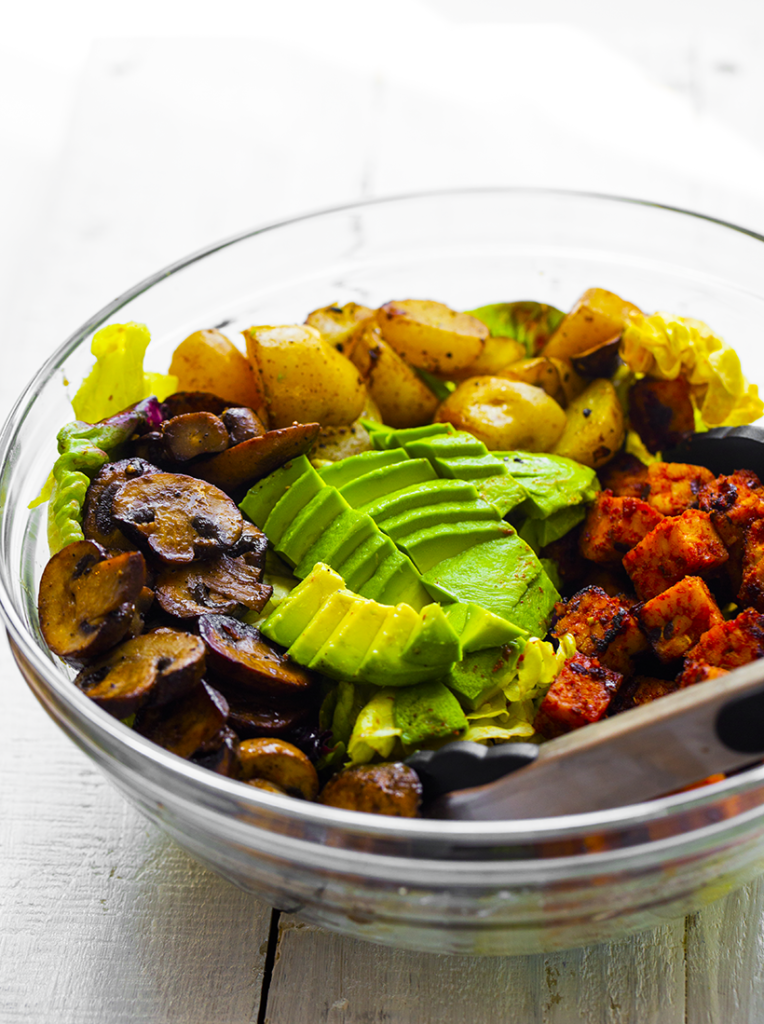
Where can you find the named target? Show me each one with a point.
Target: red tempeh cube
(679, 546)
(614, 526)
(734, 643)
(580, 694)
(675, 620)
(603, 627)
(675, 486)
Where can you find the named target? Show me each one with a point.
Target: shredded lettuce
(374, 732)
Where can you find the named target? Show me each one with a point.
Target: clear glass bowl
(481, 888)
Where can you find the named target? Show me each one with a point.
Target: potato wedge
(541, 372)
(595, 429)
(337, 324)
(430, 335)
(504, 414)
(497, 355)
(404, 400)
(596, 318)
(305, 379)
(208, 361)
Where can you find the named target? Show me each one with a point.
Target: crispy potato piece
(504, 414)
(581, 693)
(675, 620)
(403, 399)
(497, 356)
(432, 336)
(678, 546)
(306, 380)
(603, 626)
(281, 763)
(338, 325)
(595, 426)
(698, 672)
(541, 372)
(239, 467)
(596, 318)
(676, 486)
(626, 477)
(661, 411)
(614, 526)
(730, 644)
(752, 587)
(208, 361)
(184, 726)
(393, 789)
(335, 443)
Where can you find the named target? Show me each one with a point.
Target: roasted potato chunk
(403, 399)
(675, 620)
(676, 486)
(661, 411)
(581, 693)
(87, 600)
(335, 443)
(431, 336)
(604, 627)
(597, 318)
(306, 380)
(505, 415)
(614, 526)
(498, 356)
(281, 763)
(338, 325)
(393, 789)
(208, 361)
(595, 427)
(730, 644)
(678, 546)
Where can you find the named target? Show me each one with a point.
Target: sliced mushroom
(242, 424)
(239, 656)
(281, 763)
(178, 517)
(601, 361)
(252, 718)
(222, 757)
(247, 462)
(98, 517)
(192, 434)
(393, 789)
(87, 600)
(143, 604)
(149, 446)
(187, 724)
(183, 402)
(269, 787)
(253, 544)
(221, 585)
(154, 668)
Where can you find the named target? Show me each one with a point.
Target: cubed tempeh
(661, 411)
(649, 688)
(626, 477)
(679, 546)
(675, 486)
(698, 672)
(675, 620)
(580, 694)
(752, 587)
(615, 525)
(603, 627)
(730, 644)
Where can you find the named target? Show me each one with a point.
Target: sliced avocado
(340, 473)
(342, 653)
(381, 664)
(552, 482)
(291, 617)
(396, 580)
(428, 548)
(497, 576)
(294, 499)
(386, 480)
(260, 499)
(426, 712)
(308, 526)
(427, 493)
(338, 541)
(432, 515)
(408, 434)
(482, 674)
(445, 446)
(540, 532)
(433, 641)
(365, 560)
(503, 492)
(478, 629)
(318, 630)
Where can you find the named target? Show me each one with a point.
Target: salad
(381, 531)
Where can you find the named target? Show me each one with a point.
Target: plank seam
(270, 959)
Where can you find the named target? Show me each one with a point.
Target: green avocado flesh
(338, 542)
(379, 482)
(540, 532)
(395, 581)
(261, 499)
(551, 482)
(480, 675)
(478, 628)
(427, 712)
(365, 560)
(430, 547)
(346, 470)
(429, 493)
(434, 515)
(298, 495)
(306, 528)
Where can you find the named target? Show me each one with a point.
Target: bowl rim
(469, 833)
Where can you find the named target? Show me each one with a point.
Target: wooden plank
(328, 979)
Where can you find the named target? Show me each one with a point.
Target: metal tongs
(646, 752)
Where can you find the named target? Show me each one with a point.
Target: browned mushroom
(242, 424)
(247, 462)
(601, 361)
(192, 434)
(183, 402)
(221, 754)
(253, 544)
(87, 600)
(252, 718)
(392, 789)
(187, 724)
(178, 517)
(221, 585)
(154, 668)
(269, 787)
(281, 763)
(98, 517)
(143, 604)
(240, 657)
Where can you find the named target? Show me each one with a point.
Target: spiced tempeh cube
(661, 411)
(580, 694)
(602, 626)
(675, 620)
(625, 476)
(615, 525)
(752, 588)
(679, 546)
(734, 503)
(698, 672)
(649, 689)
(732, 643)
(675, 486)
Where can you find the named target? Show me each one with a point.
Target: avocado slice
(318, 630)
(433, 641)
(551, 482)
(429, 547)
(340, 539)
(387, 479)
(426, 712)
(428, 493)
(340, 473)
(444, 447)
(482, 674)
(406, 435)
(295, 497)
(479, 629)
(285, 624)
(260, 499)
(308, 526)
(343, 652)
(432, 515)
(365, 560)
(396, 580)
(540, 532)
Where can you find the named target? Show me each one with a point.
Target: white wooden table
(172, 145)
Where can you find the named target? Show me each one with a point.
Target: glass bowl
(479, 888)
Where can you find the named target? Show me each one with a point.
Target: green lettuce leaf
(375, 731)
(530, 323)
